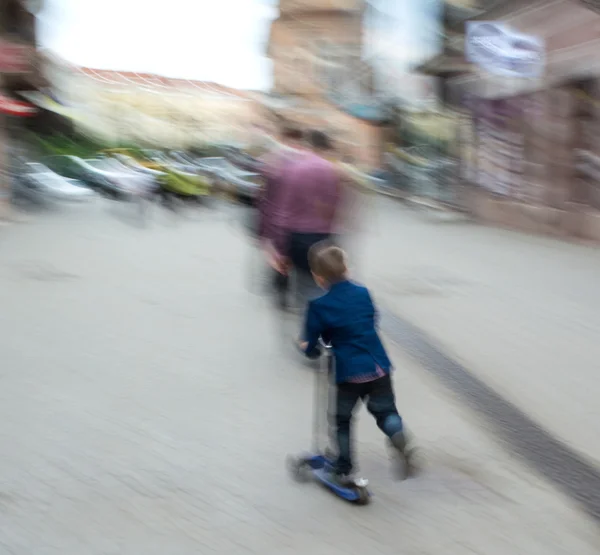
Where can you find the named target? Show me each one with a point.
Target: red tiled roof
(151, 79)
(145, 79)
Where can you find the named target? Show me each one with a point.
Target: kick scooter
(318, 465)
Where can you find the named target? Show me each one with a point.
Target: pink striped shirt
(369, 377)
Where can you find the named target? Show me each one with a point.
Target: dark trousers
(281, 284)
(381, 403)
(298, 246)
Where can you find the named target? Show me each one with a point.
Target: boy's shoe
(343, 480)
(405, 463)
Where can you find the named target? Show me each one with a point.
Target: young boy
(345, 317)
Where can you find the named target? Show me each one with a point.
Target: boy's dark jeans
(381, 403)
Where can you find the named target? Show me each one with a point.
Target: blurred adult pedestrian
(309, 202)
(273, 168)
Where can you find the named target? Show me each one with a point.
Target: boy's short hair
(328, 261)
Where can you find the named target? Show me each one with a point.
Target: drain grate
(569, 471)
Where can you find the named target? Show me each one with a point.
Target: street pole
(5, 185)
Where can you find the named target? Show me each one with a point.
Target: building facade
(320, 75)
(128, 107)
(530, 149)
(19, 71)
(450, 68)
(550, 122)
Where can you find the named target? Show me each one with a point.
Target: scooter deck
(321, 469)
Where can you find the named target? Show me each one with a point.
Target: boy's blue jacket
(346, 318)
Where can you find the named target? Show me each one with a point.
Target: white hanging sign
(499, 50)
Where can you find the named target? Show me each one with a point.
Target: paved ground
(521, 312)
(147, 404)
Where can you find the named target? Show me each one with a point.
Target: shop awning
(13, 107)
(444, 64)
(366, 109)
(46, 102)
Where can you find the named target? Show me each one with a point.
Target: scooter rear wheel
(364, 498)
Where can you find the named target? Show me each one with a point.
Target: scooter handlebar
(326, 346)
(321, 349)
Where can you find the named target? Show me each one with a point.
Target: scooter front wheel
(300, 468)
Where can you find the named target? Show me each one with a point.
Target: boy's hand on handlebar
(313, 354)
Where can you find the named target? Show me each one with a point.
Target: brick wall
(296, 48)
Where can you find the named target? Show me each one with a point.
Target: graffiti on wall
(499, 146)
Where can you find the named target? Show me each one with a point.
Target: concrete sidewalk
(147, 406)
(521, 312)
